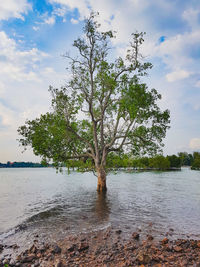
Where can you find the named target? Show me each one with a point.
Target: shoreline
(108, 248)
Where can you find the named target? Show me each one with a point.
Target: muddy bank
(108, 248)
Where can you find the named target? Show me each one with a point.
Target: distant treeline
(21, 165)
(116, 161)
(158, 162)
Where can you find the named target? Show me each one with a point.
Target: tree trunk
(101, 186)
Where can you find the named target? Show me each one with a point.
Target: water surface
(40, 202)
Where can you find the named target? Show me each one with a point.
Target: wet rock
(36, 264)
(193, 243)
(178, 249)
(118, 232)
(33, 249)
(1, 248)
(58, 263)
(19, 258)
(161, 258)
(155, 258)
(50, 256)
(135, 235)
(28, 258)
(56, 249)
(5, 261)
(97, 251)
(12, 262)
(115, 251)
(143, 257)
(150, 237)
(39, 255)
(83, 246)
(165, 240)
(167, 247)
(184, 263)
(171, 258)
(71, 248)
(14, 246)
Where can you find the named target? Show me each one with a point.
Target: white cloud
(2, 88)
(17, 64)
(36, 28)
(191, 16)
(74, 21)
(13, 9)
(6, 116)
(25, 76)
(177, 75)
(50, 20)
(72, 4)
(60, 12)
(197, 84)
(195, 143)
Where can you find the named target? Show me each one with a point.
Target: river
(49, 205)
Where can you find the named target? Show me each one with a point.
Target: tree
(175, 161)
(159, 162)
(196, 162)
(103, 108)
(186, 159)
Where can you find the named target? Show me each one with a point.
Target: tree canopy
(196, 161)
(104, 108)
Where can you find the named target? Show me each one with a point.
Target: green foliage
(196, 161)
(186, 159)
(175, 161)
(119, 161)
(105, 108)
(159, 162)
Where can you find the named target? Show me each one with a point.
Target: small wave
(56, 211)
(13, 231)
(30, 221)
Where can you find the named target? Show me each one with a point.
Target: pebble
(136, 236)
(118, 232)
(165, 240)
(56, 249)
(85, 250)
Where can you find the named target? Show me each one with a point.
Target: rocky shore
(108, 248)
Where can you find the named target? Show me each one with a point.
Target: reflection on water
(40, 202)
(102, 208)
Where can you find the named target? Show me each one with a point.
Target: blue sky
(35, 33)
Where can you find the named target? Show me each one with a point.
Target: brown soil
(107, 248)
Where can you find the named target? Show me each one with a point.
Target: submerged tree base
(101, 189)
(101, 184)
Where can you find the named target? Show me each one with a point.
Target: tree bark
(101, 184)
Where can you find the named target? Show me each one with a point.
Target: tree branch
(82, 139)
(79, 156)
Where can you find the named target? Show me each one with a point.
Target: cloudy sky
(35, 33)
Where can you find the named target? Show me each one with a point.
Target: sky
(34, 34)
